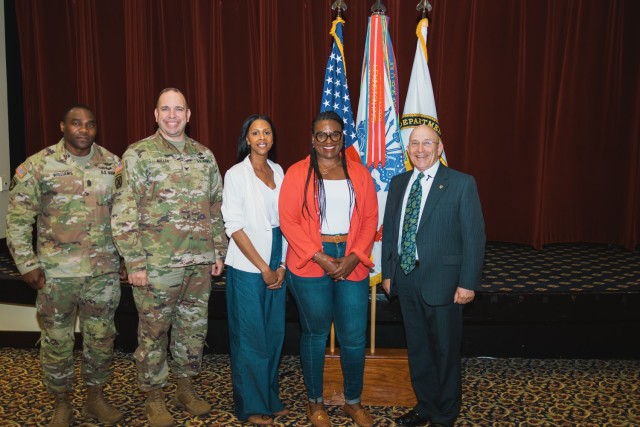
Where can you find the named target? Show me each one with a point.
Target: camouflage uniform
(166, 220)
(72, 205)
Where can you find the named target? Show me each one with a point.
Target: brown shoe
(281, 413)
(358, 414)
(317, 415)
(261, 420)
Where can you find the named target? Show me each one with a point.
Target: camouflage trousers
(176, 298)
(94, 301)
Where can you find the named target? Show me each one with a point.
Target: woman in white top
(255, 273)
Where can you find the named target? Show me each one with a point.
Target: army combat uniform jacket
(72, 205)
(167, 204)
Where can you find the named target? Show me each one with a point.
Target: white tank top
(337, 209)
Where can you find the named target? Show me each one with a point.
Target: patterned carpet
(560, 268)
(496, 392)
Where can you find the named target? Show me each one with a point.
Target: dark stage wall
(539, 100)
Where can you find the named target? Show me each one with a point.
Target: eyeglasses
(425, 143)
(322, 136)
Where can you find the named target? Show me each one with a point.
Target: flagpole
(373, 320)
(377, 8)
(378, 132)
(338, 5)
(336, 98)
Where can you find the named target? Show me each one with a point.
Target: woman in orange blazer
(329, 215)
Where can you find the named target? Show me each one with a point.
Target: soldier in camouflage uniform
(168, 226)
(68, 188)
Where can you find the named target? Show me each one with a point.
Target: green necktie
(410, 226)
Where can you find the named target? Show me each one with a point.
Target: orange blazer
(303, 230)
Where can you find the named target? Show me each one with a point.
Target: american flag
(335, 93)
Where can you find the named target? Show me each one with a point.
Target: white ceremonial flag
(420, 104)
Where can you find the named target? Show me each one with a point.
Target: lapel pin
(441, 186)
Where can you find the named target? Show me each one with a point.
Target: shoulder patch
(21, 171)
(118, 176)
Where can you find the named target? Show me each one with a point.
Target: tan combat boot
(63, 412)
(187, 399)
(98, 408)
(156, 410)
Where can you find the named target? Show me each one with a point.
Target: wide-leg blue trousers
(256, 317)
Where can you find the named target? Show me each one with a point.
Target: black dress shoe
(412, 418)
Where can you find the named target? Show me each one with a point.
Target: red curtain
(540, 101)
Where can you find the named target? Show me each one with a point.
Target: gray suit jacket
(450, 237)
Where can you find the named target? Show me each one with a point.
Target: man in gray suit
(432, 254)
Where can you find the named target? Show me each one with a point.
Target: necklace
(326, 170)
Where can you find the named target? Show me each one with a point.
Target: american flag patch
(21, 171)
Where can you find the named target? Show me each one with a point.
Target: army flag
(335, 93)
(379, 143)
(420, 104)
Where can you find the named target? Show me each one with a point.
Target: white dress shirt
(425, 182)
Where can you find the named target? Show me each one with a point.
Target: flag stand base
(386, 379)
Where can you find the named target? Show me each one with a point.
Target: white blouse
(270, 198)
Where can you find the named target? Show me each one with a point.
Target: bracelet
(315, 255)
(283, 265)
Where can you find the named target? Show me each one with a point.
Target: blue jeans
(322, 300)
(256, 317)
